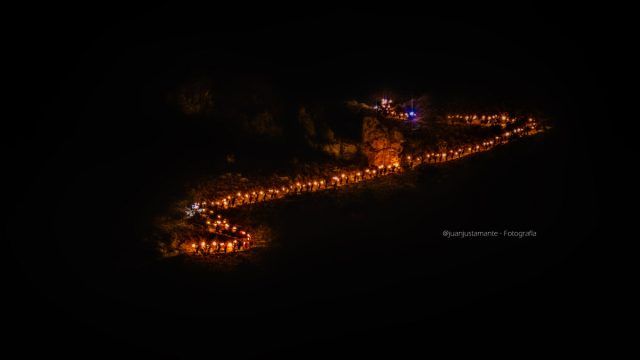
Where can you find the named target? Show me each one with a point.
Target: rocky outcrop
(315, 130)
(381, 143)
(341, 150)
(320, 136)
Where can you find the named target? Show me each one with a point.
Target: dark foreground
(364, 272)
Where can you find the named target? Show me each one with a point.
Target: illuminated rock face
(382, 144)
(341, 150)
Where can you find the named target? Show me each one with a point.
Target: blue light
(412, 114)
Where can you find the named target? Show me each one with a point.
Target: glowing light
(312, 185)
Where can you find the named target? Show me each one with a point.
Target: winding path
(228, 237)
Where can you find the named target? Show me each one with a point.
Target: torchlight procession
(220, 236)
(501, 120)
(231, 180)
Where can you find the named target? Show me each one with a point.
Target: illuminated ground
(221, 223)
(371, 254)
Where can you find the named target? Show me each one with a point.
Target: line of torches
(228, 237)
(502, 119)
(239, 240)
(530, 128)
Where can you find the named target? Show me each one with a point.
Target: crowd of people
(502, 119)
(442, 155)
(220, 246)
(225, 237)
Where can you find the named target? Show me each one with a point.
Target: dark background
(94, 154)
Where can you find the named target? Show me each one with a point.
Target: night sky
(90, 137)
